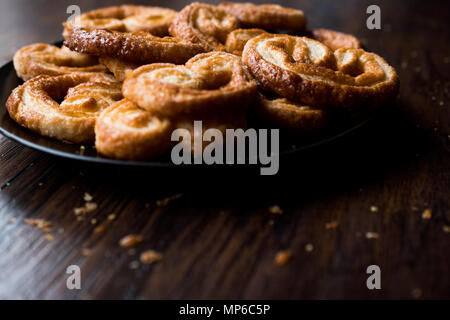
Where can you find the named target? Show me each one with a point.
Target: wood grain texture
(219, 239)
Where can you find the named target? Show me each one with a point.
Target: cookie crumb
(372, 235)
(100, 229)
(150, 256)
(49, 237)
(446, 229)
(283, 257)
(309, 247)
(88, 208)
(111, 217)
(374, 208)
(130, 241)
(427, 214)
(275, 209)
(332, 225)
(87, 197)
(40, 223)
(91, 206)
(414, 208)
(93, 221)
(86, 252)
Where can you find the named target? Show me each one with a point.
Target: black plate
(344, 125)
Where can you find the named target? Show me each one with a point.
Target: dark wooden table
(219, 239)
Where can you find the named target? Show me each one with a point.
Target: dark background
(218, 239)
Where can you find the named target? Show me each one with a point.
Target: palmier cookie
(266, 16)
(216, 120)
(204, 24)
(336, 40)
(237, 39)
(209, 81)
(125, 18)
(120, 68)
(284, 114)
(138, 47)
(306, 71)
(44, 59)
(125, 131)
(34, 104)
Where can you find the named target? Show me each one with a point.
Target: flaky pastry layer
(306, 71)
(120, 68)
(266, 16)
(237, 39)
(336, 40)
(125, 18)
(125, 131)
(44, 59)
(209, 81)
(203, 24)
(35, 104)
(284, 114)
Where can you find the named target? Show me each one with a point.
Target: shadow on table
(363, 157)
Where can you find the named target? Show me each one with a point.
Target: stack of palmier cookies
(128, 76)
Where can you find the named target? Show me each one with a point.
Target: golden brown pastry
(125, 131)
(35, 105)
(139, 47)
(203, 24)
(336, 40)
(120, 68)
(44, 59)
(209, 81)
(213, 120)
(237, 39)
(125, 18)
(306, 71)
(284, 114)
(266, 16)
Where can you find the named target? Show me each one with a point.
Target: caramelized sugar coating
(306, 71)
(284, 114)
(204, 24)
(44, 59)
(138, 47)
(35, 104)
(125, 18)
(266, 16)
(209, 81)
(125, 131)
(237, 39)
(336, 40)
